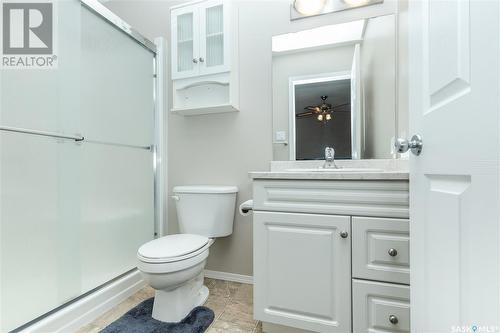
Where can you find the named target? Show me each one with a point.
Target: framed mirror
(336, 86)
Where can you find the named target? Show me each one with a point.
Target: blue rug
(139, 320)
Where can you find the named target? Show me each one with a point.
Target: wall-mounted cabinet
(204, 57)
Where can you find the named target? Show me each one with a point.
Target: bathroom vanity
(331, 248)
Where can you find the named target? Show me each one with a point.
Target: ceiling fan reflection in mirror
(322, 112)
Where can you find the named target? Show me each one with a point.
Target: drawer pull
(393, 252)
(393, 319)
(344, 234)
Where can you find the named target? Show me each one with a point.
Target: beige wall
(223, 148)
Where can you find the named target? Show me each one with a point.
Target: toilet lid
(172, 246)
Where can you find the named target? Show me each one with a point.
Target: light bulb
(309, 7)
(328, 116)
(320, 117)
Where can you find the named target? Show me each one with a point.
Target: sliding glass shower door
(73, 212)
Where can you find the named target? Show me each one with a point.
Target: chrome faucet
(330, 158)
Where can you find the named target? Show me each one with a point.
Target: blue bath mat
(139, 320)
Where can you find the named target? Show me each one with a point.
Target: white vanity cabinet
(204, 57)
(331, 255)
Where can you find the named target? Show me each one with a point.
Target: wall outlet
(280, 136)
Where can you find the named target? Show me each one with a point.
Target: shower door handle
(77, 138)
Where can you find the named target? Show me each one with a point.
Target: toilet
(173, 265)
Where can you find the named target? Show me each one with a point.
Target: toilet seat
(172, 248)
(173, 253)
(173, 266)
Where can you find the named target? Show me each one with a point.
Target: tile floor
(231, 302)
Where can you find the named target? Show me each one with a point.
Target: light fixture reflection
(356, 3)
(309, 7)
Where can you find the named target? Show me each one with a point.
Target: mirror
(336, 86)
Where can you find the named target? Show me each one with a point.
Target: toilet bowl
(173, 265)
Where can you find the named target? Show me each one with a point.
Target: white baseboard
(87, 309)
(248, 279)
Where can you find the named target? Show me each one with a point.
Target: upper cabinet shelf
(204, 57)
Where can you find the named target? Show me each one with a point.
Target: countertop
(389, 175)
(387, 170)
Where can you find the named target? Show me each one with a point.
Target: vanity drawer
(380, 307)
(381, 249)
(384, 198)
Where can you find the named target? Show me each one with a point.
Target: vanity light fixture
(309, 7)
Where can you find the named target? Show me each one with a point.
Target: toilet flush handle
(176, 197)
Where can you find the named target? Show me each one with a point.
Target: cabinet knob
(393, 252)
(393, 319)
(202, 59)
(344, 234)
(195, 60)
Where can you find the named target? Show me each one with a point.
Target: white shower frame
(85, 308)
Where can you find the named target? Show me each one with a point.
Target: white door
(185, 42)
(302, 270)
(214, 37)
(454, 106)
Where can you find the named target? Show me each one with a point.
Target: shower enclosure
(77, 164)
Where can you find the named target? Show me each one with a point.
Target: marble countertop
(385, 169)
(390, 175)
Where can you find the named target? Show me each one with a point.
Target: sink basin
(340, 170)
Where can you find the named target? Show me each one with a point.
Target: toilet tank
(205, 210)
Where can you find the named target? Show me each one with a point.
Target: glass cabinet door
(185, 44)
(213, 41)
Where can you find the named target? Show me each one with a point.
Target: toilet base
(175, 304)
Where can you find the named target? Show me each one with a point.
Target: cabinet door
(185, 42)
(302, 271)
(214, 39)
